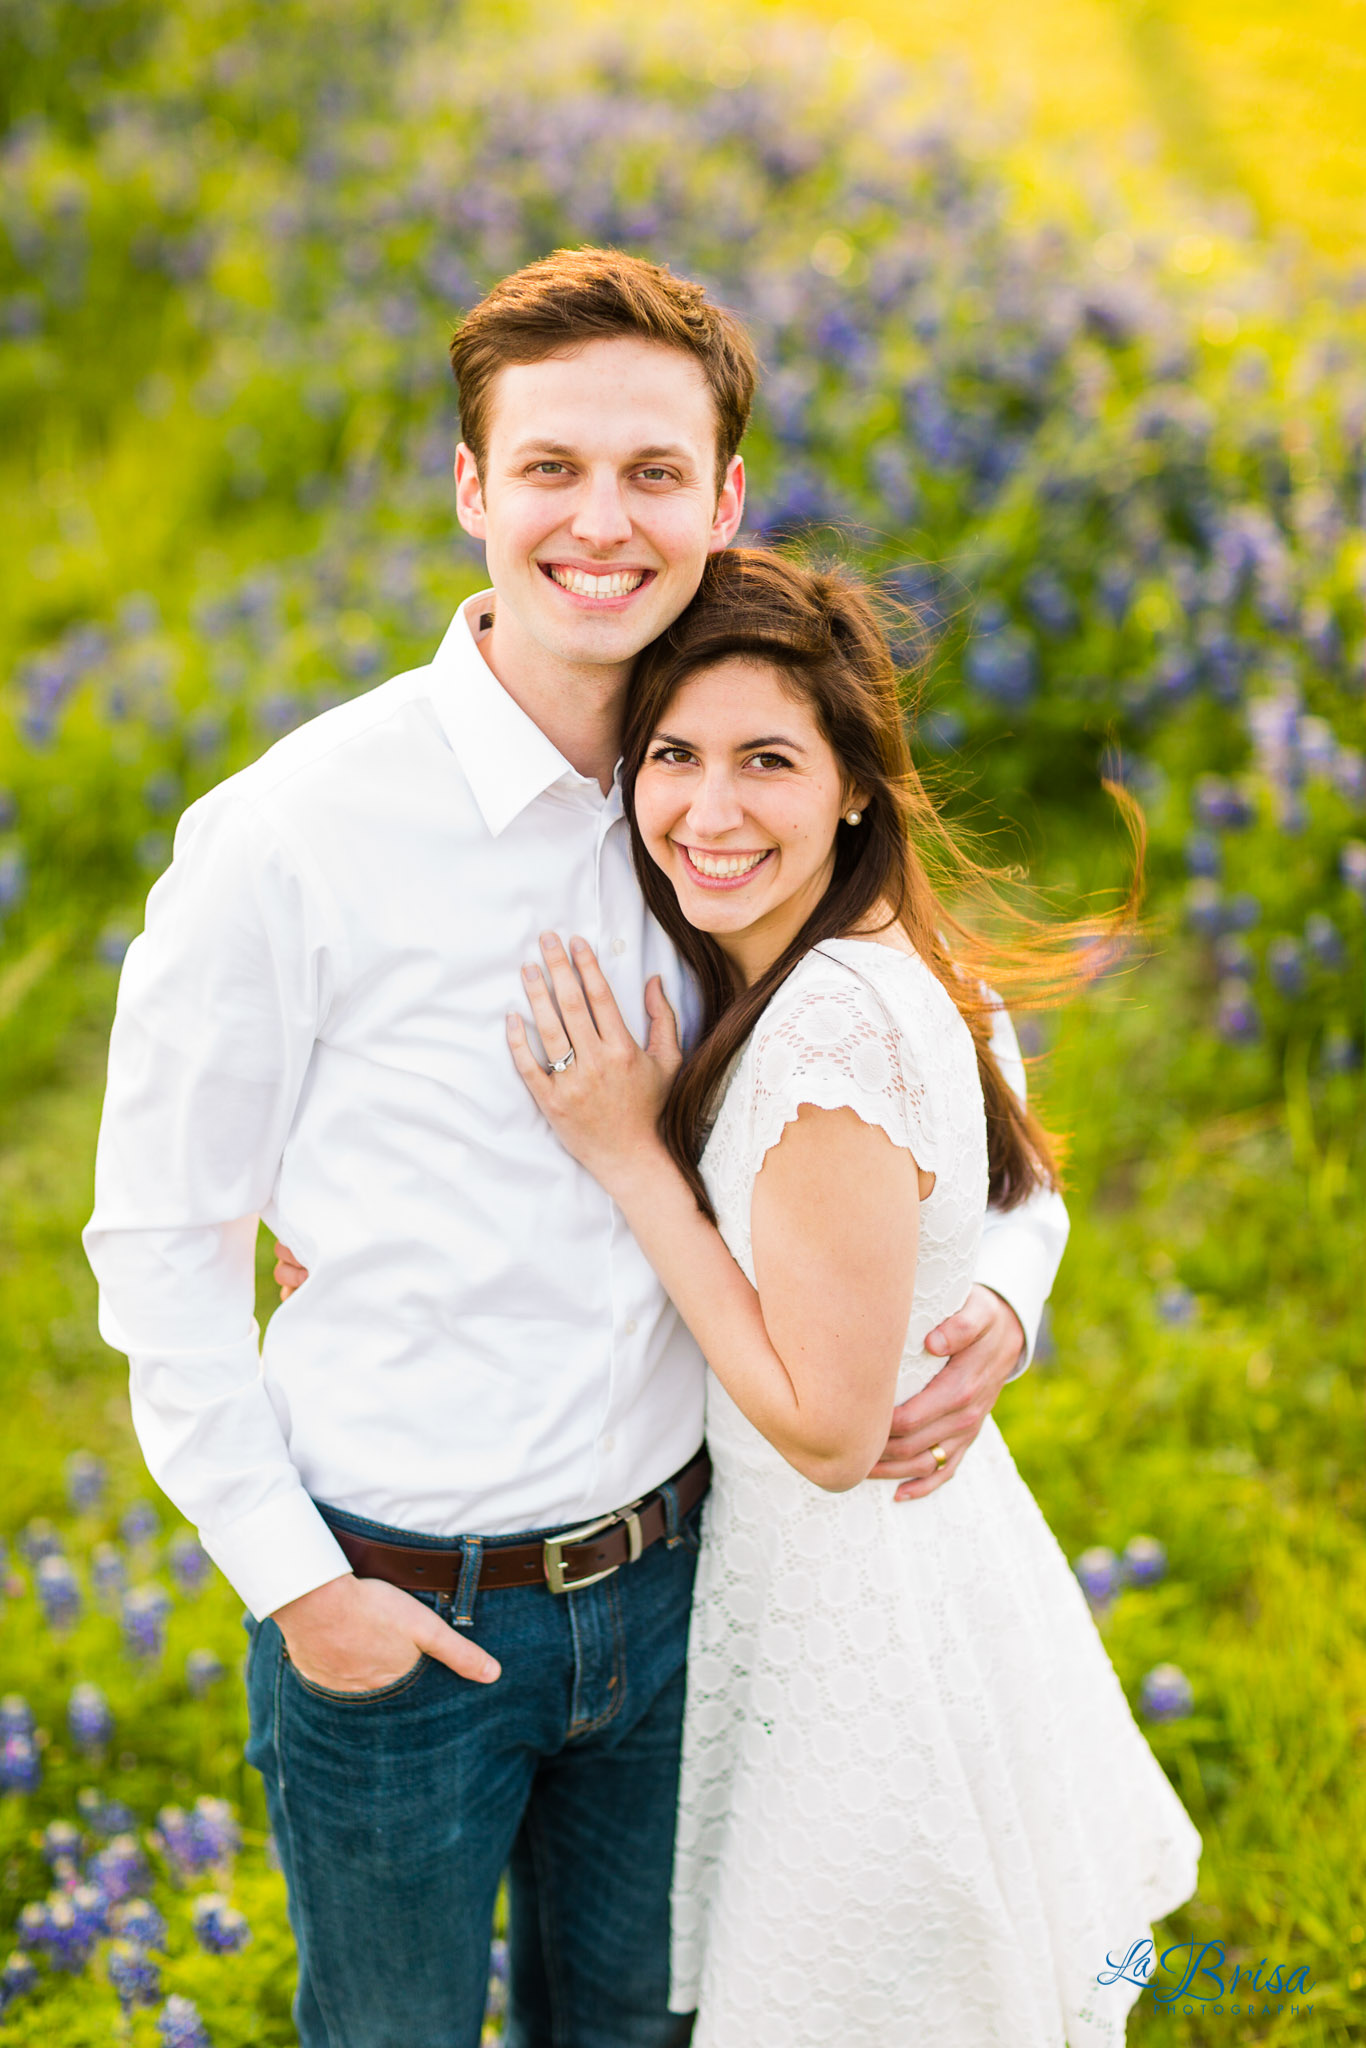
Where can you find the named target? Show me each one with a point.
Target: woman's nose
(715, 808)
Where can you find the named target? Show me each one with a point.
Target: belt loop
(468, 1588)
(673, 1535)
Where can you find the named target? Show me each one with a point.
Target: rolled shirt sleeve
(1021, 1248)
(219, 1006)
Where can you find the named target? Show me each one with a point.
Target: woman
(914, 1805)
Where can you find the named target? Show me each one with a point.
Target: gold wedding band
(940, 1456)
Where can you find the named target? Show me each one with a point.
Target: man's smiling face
(598, 502)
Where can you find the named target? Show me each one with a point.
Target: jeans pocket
(373, 1697)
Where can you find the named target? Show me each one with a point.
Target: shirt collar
(507, 759)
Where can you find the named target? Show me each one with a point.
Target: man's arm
(218, 1008)
(992, 1337)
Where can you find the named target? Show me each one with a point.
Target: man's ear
(730, 507)
(469, 493)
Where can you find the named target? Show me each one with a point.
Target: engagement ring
(558, 1066)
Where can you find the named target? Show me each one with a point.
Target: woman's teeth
(720, 867)
(619, 584)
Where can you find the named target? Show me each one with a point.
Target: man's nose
(601, 520)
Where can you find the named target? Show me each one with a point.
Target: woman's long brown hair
(821, 631)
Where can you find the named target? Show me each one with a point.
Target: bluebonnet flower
(1098, 1570)
(18, 1977)
(219, 1927)
(1238, 1020)
(89, 1718)
(1165, 1694)
(112, 944)
(180, 2025)
(1234, 957)
(1349, 775)
(109, 1571)
(139, 1524)
(1323, 940)
(1204, 856)
(1219, 803)
(85, 1481)
(135, 1977)
(1352, 863)
(203, 1669)
(1000, 660)
(1206, 913)
(1339, 1053)
(140, 1921)
(41, 1538)
(31, 1927)
(1145, 1561)
(104, 1817)
(496, 1999)
(59, 1592)
(91, 1908)
(189, 1565)
(1285, 965)
(145, 1611)
(120, 1869)
(21, 1766)
(69, 1938)
(1176, 1305)
(61, 1844)
(1242, 911)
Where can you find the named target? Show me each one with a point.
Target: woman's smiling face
(738, 800)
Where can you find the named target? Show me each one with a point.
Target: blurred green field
(1104, 429)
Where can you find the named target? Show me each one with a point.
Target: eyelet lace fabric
(915, 1810)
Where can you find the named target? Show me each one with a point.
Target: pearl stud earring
(852, 817)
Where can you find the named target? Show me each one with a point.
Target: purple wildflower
(180, 2026)
(17, 1979)
(1099, 1574)
(1324, 940)
(1205, 908)
(1340, 1053)
(1285, 965)
(1145, 1561)
(21, 1766)
(1243, 911)
(1234, 957)
(61, 1843)
(219, 1928)
(104, 1817)
(1165, 1694)
(189, 1565)
(40, 1539)
(89, 1718)
(145, 1609)
(120, 1869)
(69, 1938)
(109, 1572)
(1204, 856)
(1352, 864)
(1220, 804)
(140, 1921)
(203, 1669)
(91, 1908)
(85, 1478)
(133, 1975)
(59, 1591)
(139, 1523)
(1238, 1019)
(1176, 1306)
(32, 1927)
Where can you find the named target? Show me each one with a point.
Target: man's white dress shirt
(311, 1030)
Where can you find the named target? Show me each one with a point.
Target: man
(442, 1683)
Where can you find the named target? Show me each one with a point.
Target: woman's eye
(673, 757)
(768, 761)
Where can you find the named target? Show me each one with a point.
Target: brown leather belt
(564, 1562)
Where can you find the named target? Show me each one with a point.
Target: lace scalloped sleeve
(831, 1041)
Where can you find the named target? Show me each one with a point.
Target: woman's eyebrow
(777, 739)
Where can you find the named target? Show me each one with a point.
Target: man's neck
(579, 707)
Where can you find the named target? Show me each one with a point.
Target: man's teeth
(620, 584)
(721, 866)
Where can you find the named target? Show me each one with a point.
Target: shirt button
(609, 1442)
(629, 1326)
(618, 945)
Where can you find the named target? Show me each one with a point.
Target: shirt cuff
(1010, 1263)
(278, 1552)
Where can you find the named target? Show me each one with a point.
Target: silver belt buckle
(553, 1548)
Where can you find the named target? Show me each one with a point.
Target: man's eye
(547, 468)
(655, 476)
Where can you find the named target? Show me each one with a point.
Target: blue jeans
(396, 1813)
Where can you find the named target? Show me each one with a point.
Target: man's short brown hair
(580, 295)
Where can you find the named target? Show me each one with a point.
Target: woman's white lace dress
(915, 1811)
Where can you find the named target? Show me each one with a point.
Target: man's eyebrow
(538, 447)
(533, 446)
